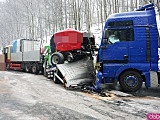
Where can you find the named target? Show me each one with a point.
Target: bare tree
(41, 18)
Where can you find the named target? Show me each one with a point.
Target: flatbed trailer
(72, 62)
(75, 74)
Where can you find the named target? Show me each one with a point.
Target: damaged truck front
(129, 49)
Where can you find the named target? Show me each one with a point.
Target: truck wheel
(57, 58)
(131, 81)
(27, 67)
(35, 68)
(70, 57)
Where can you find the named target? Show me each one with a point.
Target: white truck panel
(16, 57)
(30, 45)
(27, 50)
(31, 56)
(18, 45)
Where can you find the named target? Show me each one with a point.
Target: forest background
(37, 19)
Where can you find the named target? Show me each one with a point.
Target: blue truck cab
(129, 48)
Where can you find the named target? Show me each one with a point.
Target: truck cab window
(112, 39)
(119, 35)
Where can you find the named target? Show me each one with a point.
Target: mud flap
(158, 74)
(77, 73)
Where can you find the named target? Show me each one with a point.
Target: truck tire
(28, 67)
(57, 58)
(70, 57)
(130, 81)
(35, 68)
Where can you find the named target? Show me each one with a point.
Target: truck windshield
(118, 35)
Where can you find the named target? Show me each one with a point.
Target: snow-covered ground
(97, 32)
(25, 96)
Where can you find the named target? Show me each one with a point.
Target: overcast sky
(2, 0)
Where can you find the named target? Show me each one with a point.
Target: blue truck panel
(129, 48)
(14, 47)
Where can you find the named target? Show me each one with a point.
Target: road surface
(25, 96)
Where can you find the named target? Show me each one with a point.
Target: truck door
(115, 48)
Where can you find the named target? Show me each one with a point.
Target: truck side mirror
(105, 40)
(5, 50)
(105, 37)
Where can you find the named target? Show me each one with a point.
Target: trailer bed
(77, 73)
